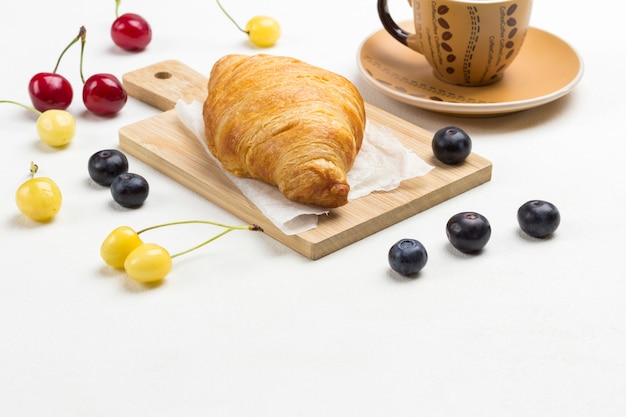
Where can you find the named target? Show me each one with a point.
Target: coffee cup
(466, 42)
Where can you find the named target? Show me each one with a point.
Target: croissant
(285, 122)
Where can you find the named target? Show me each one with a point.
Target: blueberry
(130, 190)
(407, 257)
(538, 218)
(451, 145)
(468, 231)
(107, 164)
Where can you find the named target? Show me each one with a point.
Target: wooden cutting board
(164, 143)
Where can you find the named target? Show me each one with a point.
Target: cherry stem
(21, 105)
(117, 8)
(83, 39)
(33, 169)
(231, 19)
(251, 227)
(80, 34)
(203, 243)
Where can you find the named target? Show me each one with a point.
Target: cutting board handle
(162, 84)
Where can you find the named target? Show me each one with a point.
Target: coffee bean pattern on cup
(466, 42)
(511, 27)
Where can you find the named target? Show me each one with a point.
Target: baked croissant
(285, 122)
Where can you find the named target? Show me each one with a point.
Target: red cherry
(131, 32)
(49, 91)
(103, 94)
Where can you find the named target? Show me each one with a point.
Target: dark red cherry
(49, 91)
(104, 94)
(131, 32)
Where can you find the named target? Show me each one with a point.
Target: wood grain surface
(164, 143)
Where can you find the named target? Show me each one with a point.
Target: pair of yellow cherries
(150, 263)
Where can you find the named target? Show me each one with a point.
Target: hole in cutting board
(163, 75)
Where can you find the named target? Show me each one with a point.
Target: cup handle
(399, 34)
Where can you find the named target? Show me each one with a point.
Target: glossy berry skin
(131, 32)
(451, 145)
(104, 94)
(49, 91)
(148, 263)
(468, 232)
(105, 165)
(407, 257)
(538, 218)
(118, 244)
(39, 198)
(130, 190)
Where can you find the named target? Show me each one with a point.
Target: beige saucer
(546, 69)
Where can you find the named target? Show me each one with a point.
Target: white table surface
(248, 327)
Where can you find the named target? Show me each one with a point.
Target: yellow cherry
(148, 263)
(56, 127)
(39, 197)
(118, 244)
(263, 31)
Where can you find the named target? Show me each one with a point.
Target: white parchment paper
(381, 165)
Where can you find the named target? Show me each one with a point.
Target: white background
(248, 327)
